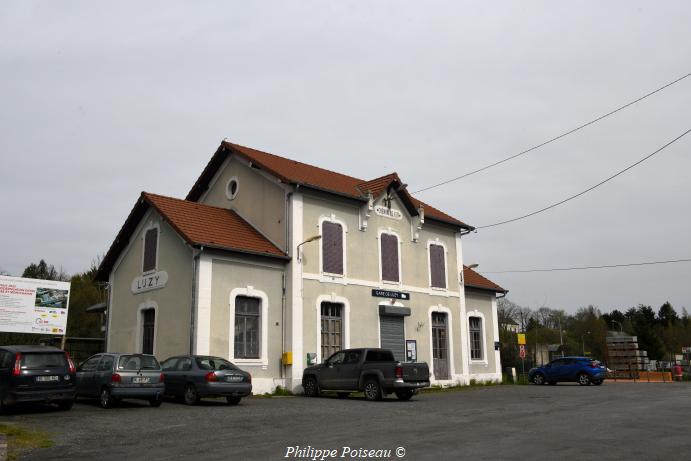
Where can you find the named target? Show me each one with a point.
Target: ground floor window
(475, 330)
(247, 330)
(331, 328)
(148, 328)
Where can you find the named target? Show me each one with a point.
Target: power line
(580, 127)
(590, 188)
(606, 266)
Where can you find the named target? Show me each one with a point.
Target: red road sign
(521, 351)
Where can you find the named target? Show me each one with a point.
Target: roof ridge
(292, 160)
(191, 202)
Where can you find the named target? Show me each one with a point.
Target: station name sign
(390, 294)
(149, 282)
(387, 212)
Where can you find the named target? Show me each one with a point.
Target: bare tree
(523, 315)
(507, 312)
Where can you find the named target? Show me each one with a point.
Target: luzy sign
(387, 212)
(149, 282)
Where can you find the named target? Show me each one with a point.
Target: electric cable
(578, 128)
(588, 189)
(577, 268)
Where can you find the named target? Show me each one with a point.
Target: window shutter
(332, 248)
(150, 240)
(437, 268)
(389, 258)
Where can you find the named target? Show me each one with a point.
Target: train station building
(275, 264)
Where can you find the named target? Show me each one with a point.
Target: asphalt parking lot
(613, 421)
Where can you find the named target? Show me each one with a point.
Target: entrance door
(331, 328)
(440, 345)
(392, 335)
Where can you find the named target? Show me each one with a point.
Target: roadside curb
(3, 447)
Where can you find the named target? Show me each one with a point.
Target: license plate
(233, 379)
(42, 379)
(140, 380)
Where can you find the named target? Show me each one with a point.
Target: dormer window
(150, 249)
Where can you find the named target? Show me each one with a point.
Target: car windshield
(43, 360)
(214, 363)
(138, 362)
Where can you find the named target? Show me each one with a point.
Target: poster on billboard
(33, 305)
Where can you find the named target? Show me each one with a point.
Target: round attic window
(232, 188)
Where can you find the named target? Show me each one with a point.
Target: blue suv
(582, 370)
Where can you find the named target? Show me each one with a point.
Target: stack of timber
(623, 353)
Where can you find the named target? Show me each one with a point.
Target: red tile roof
(472, 279)
(211, 226)
(292, 171)
(197, 224)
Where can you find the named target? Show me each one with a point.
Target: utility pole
(583, 341)
(561, 339)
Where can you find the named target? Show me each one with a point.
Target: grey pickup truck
(372, 371)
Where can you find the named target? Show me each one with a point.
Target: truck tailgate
(415, 371)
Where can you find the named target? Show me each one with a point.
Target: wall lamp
(311, 239)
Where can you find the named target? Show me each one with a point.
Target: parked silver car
(192, 377)
(114, 376)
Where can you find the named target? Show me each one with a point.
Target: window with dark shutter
(247, 321)
(389, 258)
(437, 266)
(332, 248)
(150, 241)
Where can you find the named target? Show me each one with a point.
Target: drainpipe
(283, 322)
(193, 310)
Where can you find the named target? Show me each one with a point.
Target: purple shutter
(332, 248)
(389, 258)
(150, 240)
(437, 267)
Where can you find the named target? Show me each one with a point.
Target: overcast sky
(98, 103)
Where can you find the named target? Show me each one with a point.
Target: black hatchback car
(36, 374)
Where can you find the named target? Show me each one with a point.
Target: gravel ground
(614, 421)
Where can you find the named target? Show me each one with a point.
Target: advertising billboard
(33, 305)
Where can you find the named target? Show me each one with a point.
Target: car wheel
(404, 395)
(233, 400)
(191, 395)
(373, 390)
(597, 382)
(583, 379)
(539, 379)
(65, 405)
(156, 401)
(105, 398)
(311, 387)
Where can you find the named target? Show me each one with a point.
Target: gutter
(249, 252)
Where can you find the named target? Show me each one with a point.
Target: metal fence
(79, 349)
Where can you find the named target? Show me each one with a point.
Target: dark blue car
(582, 370)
